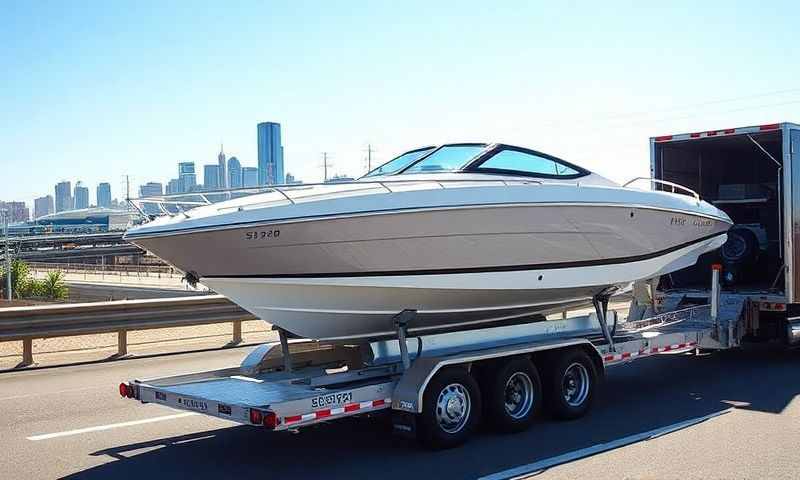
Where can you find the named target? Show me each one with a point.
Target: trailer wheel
(570, 384)
(451, 409)
(513, 395)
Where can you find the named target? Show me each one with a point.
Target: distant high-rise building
(81, 196)
(63, 196)
(249, 177)
(174, 186)
(290, 180)
(18, 211)
(223, 177)
(43, 206)
(187, 176)
(151, 189)
(104, 195)
(210, 177)
(234, 173)
(270, 154)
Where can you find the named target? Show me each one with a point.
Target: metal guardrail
(129, 270)
(27, 323)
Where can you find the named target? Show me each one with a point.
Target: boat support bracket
(600, 302)
(401, 321)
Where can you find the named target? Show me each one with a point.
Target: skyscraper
(151, 189)
(210, 177)
(234, 173)
(187, 176)
(249, 177)
(270, 154)
(104, 195)
(63, 196)
(18, 211)
(43, 206)
(174, 186)
(81, 196)
(222, 181)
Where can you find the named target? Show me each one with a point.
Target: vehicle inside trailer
(741, 174)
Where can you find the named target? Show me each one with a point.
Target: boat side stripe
(501, 268)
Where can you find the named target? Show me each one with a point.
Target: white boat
(465, 234)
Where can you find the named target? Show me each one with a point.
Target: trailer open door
(793, 150)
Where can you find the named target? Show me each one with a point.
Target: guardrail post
(122, 343)
(237, 332)
(27, 352)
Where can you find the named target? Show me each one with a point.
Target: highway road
(70, 422)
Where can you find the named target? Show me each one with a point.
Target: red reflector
(772, 126)
(323, 413)
(256, 417)
(729, 131)
(123, 390)
(695, 135)
(717, 267)
(664, 138)
(378, 403)
(270, 420)
(711, 133)
(293, 419)
(352, 407)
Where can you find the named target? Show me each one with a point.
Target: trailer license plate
(331, 399)
(193, 404)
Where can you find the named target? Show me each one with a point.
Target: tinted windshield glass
(447, 158)
(529, 163)
(399, 163)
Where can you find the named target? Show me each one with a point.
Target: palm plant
(53, 286)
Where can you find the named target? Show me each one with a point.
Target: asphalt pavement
(70, 422)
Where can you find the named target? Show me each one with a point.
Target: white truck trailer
(439, 387)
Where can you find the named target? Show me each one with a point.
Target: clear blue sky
(95, 90)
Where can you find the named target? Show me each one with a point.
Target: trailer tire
(570, 384)
(512, 395)
(451, 409)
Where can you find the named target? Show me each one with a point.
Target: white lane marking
(58, 392)
(100, 428)
(595, 449)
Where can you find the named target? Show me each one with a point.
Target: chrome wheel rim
(576, 385)
(453, 408)
(519, 395)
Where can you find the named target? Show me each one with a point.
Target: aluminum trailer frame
(291, 384)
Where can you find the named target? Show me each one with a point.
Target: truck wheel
(570, 384)
(451, 409)
(513, 395)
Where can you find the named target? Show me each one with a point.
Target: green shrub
(53, 286)
(19, 279)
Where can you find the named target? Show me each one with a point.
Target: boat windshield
(446, 159)
(399, 163)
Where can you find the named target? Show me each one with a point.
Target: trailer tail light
(256, 417)
(270, 420)
(771, 307)
(123, 390)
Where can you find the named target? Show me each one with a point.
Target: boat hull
(342, 308)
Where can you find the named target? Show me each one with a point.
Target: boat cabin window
(517, 162)
(446, 159)
(399, 163)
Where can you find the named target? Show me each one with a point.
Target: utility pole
(369, 157)
(325, 165)
(127, 192)
(6, 214)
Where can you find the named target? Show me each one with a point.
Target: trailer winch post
(401, 321)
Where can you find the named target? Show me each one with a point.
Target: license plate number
(193, 404)
(331, 399)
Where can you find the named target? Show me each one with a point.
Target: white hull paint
(339, 308)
